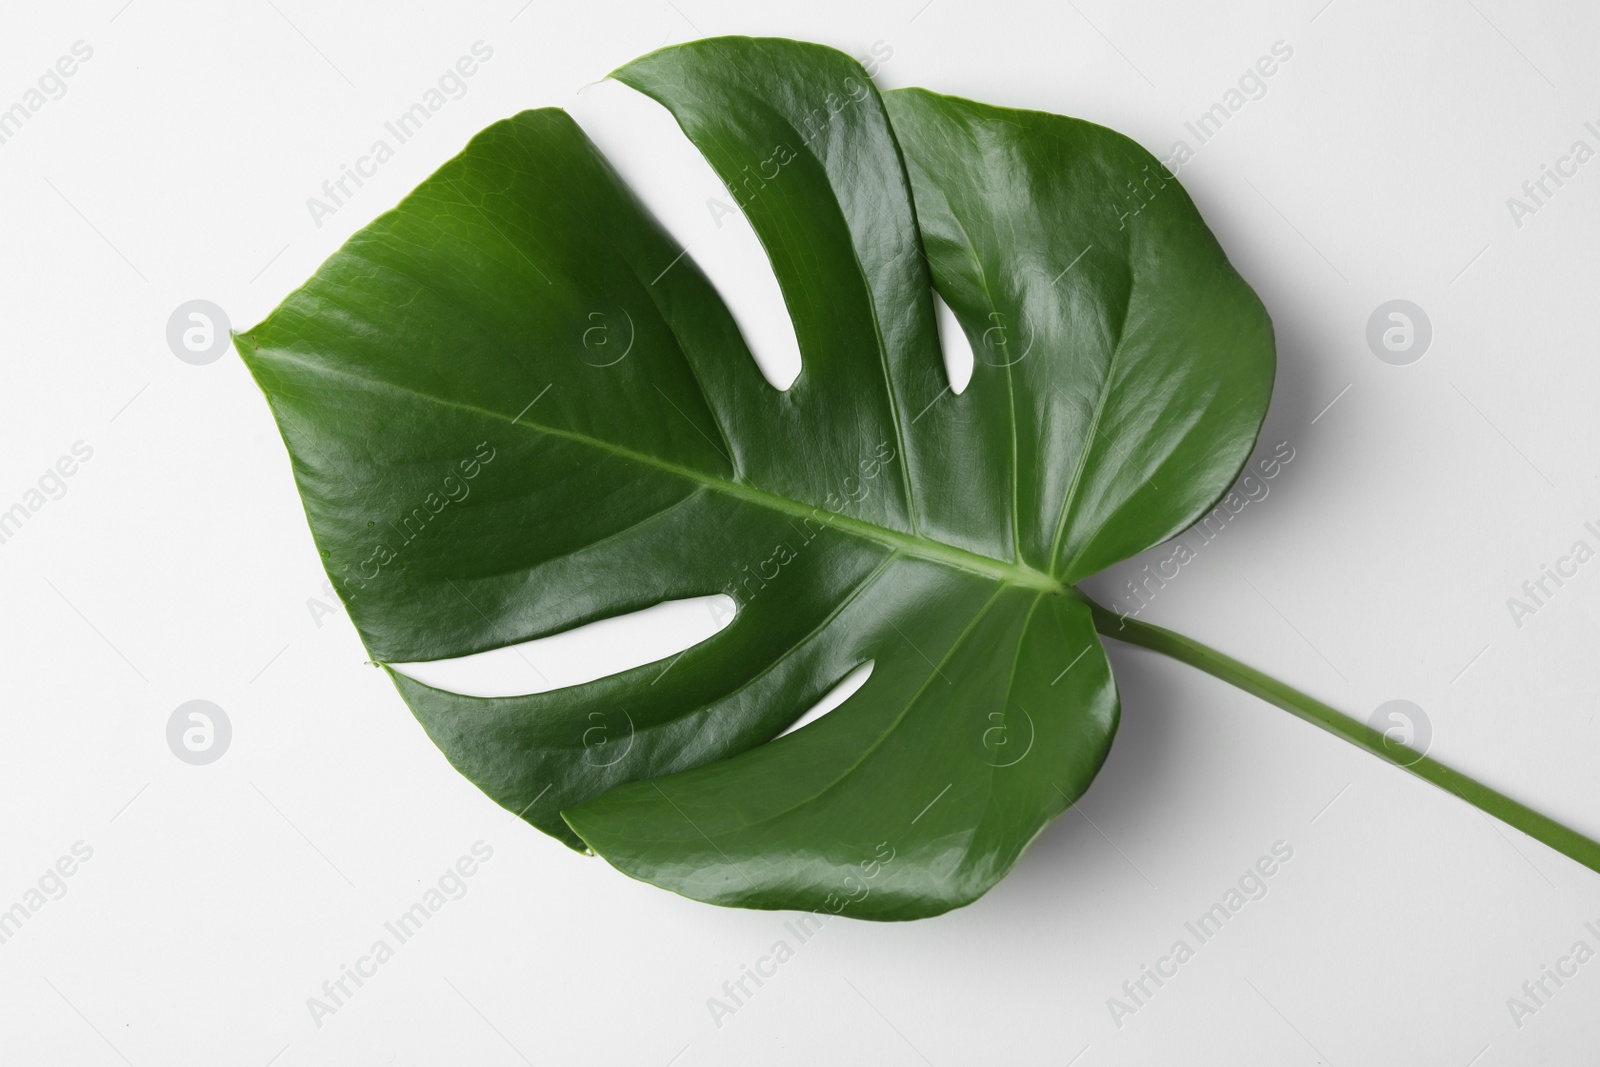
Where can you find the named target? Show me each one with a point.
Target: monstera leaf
(475, 475)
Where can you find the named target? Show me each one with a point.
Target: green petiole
(1563, 839)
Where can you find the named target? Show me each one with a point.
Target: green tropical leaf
(475, 476)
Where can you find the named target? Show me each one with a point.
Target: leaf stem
(1540, 827)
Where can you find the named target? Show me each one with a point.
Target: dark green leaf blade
(1156, 339)
(434, 384)
(416, 344)
(1139, 361)
(476, 475)
(799, 135)
(452, 329)
(914, 802)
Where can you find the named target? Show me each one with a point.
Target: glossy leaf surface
(480, 467)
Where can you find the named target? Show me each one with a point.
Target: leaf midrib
(997, 570)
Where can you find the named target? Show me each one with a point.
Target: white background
(178, 566)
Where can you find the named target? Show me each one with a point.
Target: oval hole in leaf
(834, 697)
(644, 143)
(581, 654)
(956, 346)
